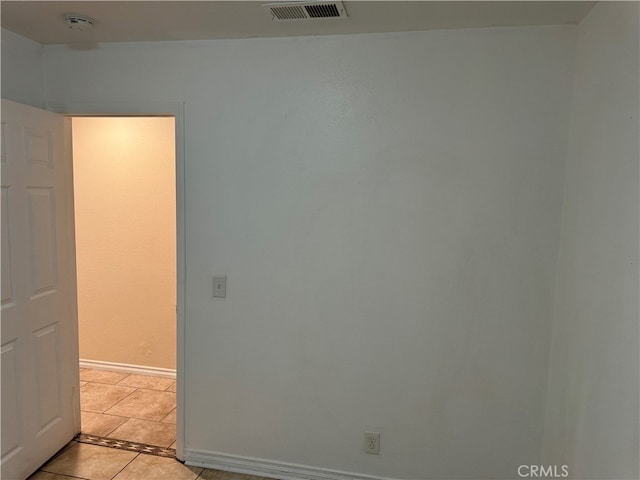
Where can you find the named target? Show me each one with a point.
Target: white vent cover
(290, 11)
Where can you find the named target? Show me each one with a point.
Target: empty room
(395, 240)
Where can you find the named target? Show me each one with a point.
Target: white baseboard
(268, 468)
(127, 368)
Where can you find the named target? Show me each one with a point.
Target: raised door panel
(42, 240)
(12, 433)
(47, 363)
(38, 147)
(7, 257)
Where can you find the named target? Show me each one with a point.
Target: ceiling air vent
(290, 11)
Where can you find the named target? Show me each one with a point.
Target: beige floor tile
(49, 476)
(101, 376)
(146, 431)
(145, 381)
(99, 423)
(145, 404)
(90, 461)
(209, 474)
(170, 418)
(172, 387)
(157, 468)
(99, 397)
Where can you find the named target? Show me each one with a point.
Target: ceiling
(124, 21)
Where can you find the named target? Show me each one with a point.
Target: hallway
(137, 408)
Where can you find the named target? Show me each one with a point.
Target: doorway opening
(124, 172)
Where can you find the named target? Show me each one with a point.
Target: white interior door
(39, 337)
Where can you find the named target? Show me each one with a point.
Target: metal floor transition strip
(126, 445)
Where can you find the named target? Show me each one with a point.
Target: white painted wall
(21, 69)
(592, 410)
(387, 210)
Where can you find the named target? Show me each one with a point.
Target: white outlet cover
(372, 443)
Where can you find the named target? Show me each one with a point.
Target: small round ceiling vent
(79, 22)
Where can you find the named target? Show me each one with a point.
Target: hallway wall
(124, 180)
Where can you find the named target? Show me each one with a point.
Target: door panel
(42, 234)
(39, 337)
(11, 401)
(7, 279)
(48, 376)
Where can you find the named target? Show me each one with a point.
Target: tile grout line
(121, 400)
(120, 471)
(117, 426)
(122, 380)
(101, 383)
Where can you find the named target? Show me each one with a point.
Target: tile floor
(137, 408)
(93, 462)
(130, 407)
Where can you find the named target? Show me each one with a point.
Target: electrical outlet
(220, 287)
(372, 443)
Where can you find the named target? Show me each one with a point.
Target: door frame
(150, 109)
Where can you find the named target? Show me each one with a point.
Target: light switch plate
(220, 287)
